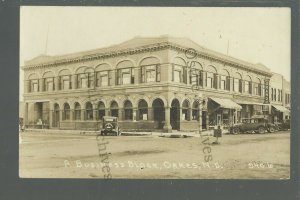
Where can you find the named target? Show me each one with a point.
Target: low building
(162, 83)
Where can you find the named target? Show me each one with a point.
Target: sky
(256, 35)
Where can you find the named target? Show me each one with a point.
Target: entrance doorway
(175, 115)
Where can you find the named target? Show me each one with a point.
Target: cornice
(142, 49)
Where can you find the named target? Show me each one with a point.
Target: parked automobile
(254, 124)
(285, 125)
(110, 126)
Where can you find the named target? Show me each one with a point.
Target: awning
(249, 103)
(280, 108)
(226, 103)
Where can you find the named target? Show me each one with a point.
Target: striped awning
(226, 103)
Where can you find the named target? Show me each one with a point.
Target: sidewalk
(174, 134)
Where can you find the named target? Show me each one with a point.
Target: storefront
(279, 113)
(222, 112)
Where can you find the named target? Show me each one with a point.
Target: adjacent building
(160, 84)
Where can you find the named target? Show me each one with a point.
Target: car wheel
(235, 131)
(271, 129)
(261, 130)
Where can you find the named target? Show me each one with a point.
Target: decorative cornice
(142, 49)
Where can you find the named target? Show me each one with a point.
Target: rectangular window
(150, 73)
(246, 87)
(262, 90)
(255, 86)
(209, 79)
(102, 78)
(177, 73)
(34, 86)
(223, 82)
(274, 94)
(177, 76)
(124, 76)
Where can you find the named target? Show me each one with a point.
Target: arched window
(124, 73)
(196, 74)
(195, 112)
(66, 111)
(150, 70)
(103, 75)
(237, 82)
(77, 111)
(101, 110)
(143, 110)
(85, 77)
(128, 110)
(256, 86)
(89, 111)
(48, 81)
(224, 80)
(186, 110)
(248, 85)
(179, 71)
(65, 80)
(211, 77)
(114, 109)
(33, 83)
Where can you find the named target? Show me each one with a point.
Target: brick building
(161, 83)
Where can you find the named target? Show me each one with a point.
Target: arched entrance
(158, 112)
(56, 116)
(175, 114)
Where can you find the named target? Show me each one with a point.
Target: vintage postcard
(155, 92)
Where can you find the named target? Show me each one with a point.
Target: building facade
(162, 83)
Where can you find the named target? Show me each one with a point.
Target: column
(150, 114)
(95, 112)
(235, 116)
(137, 75)
(25, 114)
(167, 127)
(82, 115)
(200, 119)
(57, 83)
(60, 117)
(107, 112)
(207, 120)
(134, 110)
(231, 83)
(51, 119)
(74, 81)
(41, 85)
(72, 114)
(120, 114)
(190, 114)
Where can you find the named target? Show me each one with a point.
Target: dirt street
(248, 156)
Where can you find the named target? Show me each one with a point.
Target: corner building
(157, 84)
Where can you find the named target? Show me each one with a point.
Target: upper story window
(237, 82)
(210, 80)
(85, 77)
(103, 78)
(196, 74)
(256, 86)
(103, 75)
(150, 73)
(124, 73)
(179, 71)
(274, 94)
(150, 70)
(248, 85)
(65, 80)
(224, 80)
(48, 81)
(279, 95)
(32, 83)
(125, 76)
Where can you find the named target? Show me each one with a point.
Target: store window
(186, 110)
(143, 110)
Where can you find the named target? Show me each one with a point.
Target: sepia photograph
(155, 92)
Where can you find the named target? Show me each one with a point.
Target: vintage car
(285, 125)
(254, 124)
(110, 126)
